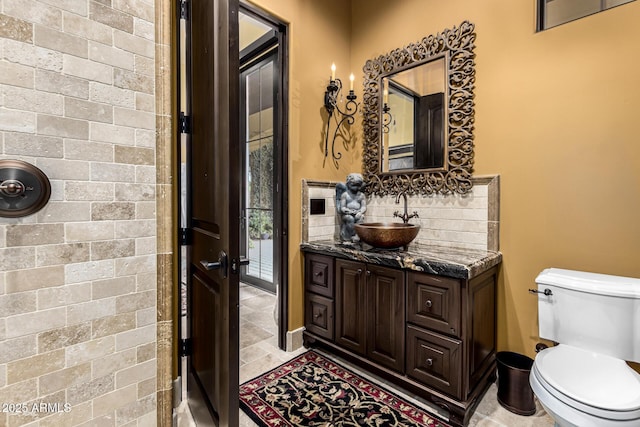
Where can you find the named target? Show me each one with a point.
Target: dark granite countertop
(441, 260)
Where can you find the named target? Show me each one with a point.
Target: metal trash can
(514, 391)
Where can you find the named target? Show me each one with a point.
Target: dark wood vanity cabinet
(434, 348)
(431, 334)
(319, 305)
(435, 360)
(370, 311)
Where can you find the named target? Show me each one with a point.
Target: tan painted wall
(555, 118)
(319, 34)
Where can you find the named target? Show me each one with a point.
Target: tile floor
(259, 353)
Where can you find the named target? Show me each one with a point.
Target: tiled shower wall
(78, 279)
(468, 221)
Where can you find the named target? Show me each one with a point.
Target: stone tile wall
(319, 227)
(466, 221)
(78, 280)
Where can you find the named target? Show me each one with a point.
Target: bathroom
(554, 118)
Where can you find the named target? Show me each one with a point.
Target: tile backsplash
(466, 221)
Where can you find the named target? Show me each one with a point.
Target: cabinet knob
(359, 271)
(429, 362)
(319, 273)
(368, 273)
(428, 303)
(317, 316)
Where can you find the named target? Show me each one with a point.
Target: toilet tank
(596, 312)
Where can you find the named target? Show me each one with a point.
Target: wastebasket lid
(593, 379)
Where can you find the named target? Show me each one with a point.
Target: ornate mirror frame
(457, 45)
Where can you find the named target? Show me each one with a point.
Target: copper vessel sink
(387, 235)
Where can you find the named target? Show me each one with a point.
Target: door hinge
(185, 347)
(185, 236)
(184, 9)
(185, 123)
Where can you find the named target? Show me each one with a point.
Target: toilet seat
(592, 383)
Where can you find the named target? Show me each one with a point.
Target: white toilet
(584, 381)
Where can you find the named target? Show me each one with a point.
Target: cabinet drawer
(319, 315)
(434, 302)
(319, 274)
(435, 360)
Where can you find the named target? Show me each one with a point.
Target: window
(555, 12)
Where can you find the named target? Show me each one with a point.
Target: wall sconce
(387, 118)
(331, 104)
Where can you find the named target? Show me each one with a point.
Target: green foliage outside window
(260, 224)
(261, 192)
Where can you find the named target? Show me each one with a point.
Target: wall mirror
(418, 116)
(413, 125)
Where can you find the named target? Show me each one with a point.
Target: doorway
(264, 158)
(257, 114)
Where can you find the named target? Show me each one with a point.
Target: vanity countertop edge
(448, 261)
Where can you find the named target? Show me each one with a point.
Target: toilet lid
(592, 379)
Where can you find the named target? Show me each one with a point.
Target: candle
(333, 71)
(351, 78)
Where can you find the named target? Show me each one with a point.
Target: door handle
(221, 264)
(236, 263)
(547, 291)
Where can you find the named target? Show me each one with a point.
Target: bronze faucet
(405, 216)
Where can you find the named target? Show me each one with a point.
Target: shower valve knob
(24, 189)
(12, 187)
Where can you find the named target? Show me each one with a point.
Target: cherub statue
(351, 205)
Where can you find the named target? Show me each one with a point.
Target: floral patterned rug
(312, 390)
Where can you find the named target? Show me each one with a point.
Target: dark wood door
(350, 305)
(429, 148)
(214, 180)
(385, 316)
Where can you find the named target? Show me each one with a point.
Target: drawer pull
(429, 362)
(317, 316)
(428, 303)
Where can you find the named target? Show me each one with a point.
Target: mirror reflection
(413, 112)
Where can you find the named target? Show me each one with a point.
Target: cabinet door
(434, 302)
(385, 316)
(350, 305)
(319, 315)
(318, 275)
(435, 360)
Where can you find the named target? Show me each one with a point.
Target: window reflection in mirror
(413, 133)
(552, 13)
